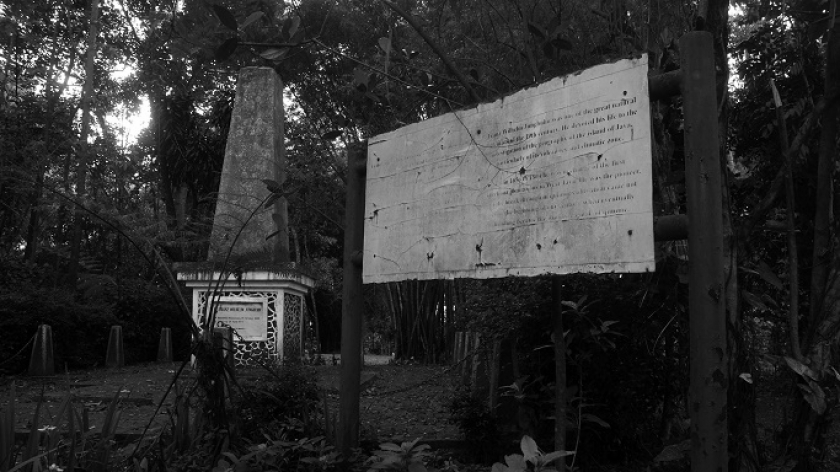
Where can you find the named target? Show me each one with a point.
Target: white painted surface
(553, 179)
(248, 316)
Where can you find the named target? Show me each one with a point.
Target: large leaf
(754, 301)
(273, 186)
(553, 456)
(226, 17)
(674, 452)
(529, 447)
(274, 54)
(814, 395)
(330, 135)
(803, 370)
(226, 49)
(390, 447)
(297, 38)
(499, 467)
(515, 462)
(272, 199)
(537, 31)
(590, 418)
(252, 18)
(290, 27)
(767, 274)
(385, 45)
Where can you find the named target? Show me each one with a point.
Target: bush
(283, 403)
(477, 423)
(80, 332)
(30, 296)
(144, 308)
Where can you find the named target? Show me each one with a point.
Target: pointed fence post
(115, 357)
(480, 379)
(41, 362)
(457, 355)
(466, 365)
(165, 346)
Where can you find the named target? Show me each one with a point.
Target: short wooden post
(466, 365)
(505, 407)
(457, 353)
(115, 357)
(479, 379)
(165, 345)
(706, 309)
(41, 362)
(495, 369)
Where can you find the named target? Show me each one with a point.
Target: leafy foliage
(270, 404)
(531, 454)
(479, 425)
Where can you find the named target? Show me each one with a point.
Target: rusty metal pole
(352, 302)
(708, 362)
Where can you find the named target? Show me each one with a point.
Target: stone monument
(248, 283)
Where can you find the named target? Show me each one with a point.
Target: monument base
(263, 304)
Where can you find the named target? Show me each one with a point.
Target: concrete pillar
(165, 345)
(41, 362)
(255, 152)
(115, 357)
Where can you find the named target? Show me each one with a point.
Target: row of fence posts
(41, 363)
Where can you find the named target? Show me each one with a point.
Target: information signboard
(552, 179)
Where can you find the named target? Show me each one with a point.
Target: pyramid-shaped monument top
(255, 153)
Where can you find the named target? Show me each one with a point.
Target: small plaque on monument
(247, 317)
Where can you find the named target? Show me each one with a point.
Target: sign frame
(246, 333)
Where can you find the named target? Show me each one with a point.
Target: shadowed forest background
(90, 219)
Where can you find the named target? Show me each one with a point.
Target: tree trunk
(809, 428)
(822, 256)
(158, 109)
(84, 157)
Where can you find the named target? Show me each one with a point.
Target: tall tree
(84, 159)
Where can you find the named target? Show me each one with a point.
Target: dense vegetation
(89, 222)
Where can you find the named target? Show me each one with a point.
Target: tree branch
(440, 53)
(793, 257)
(384, 74)
(776, 187)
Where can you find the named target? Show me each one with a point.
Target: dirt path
(407, 402)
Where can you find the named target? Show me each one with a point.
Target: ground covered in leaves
(397, 402)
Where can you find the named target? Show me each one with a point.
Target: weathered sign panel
(248, 316)
(553, 179)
